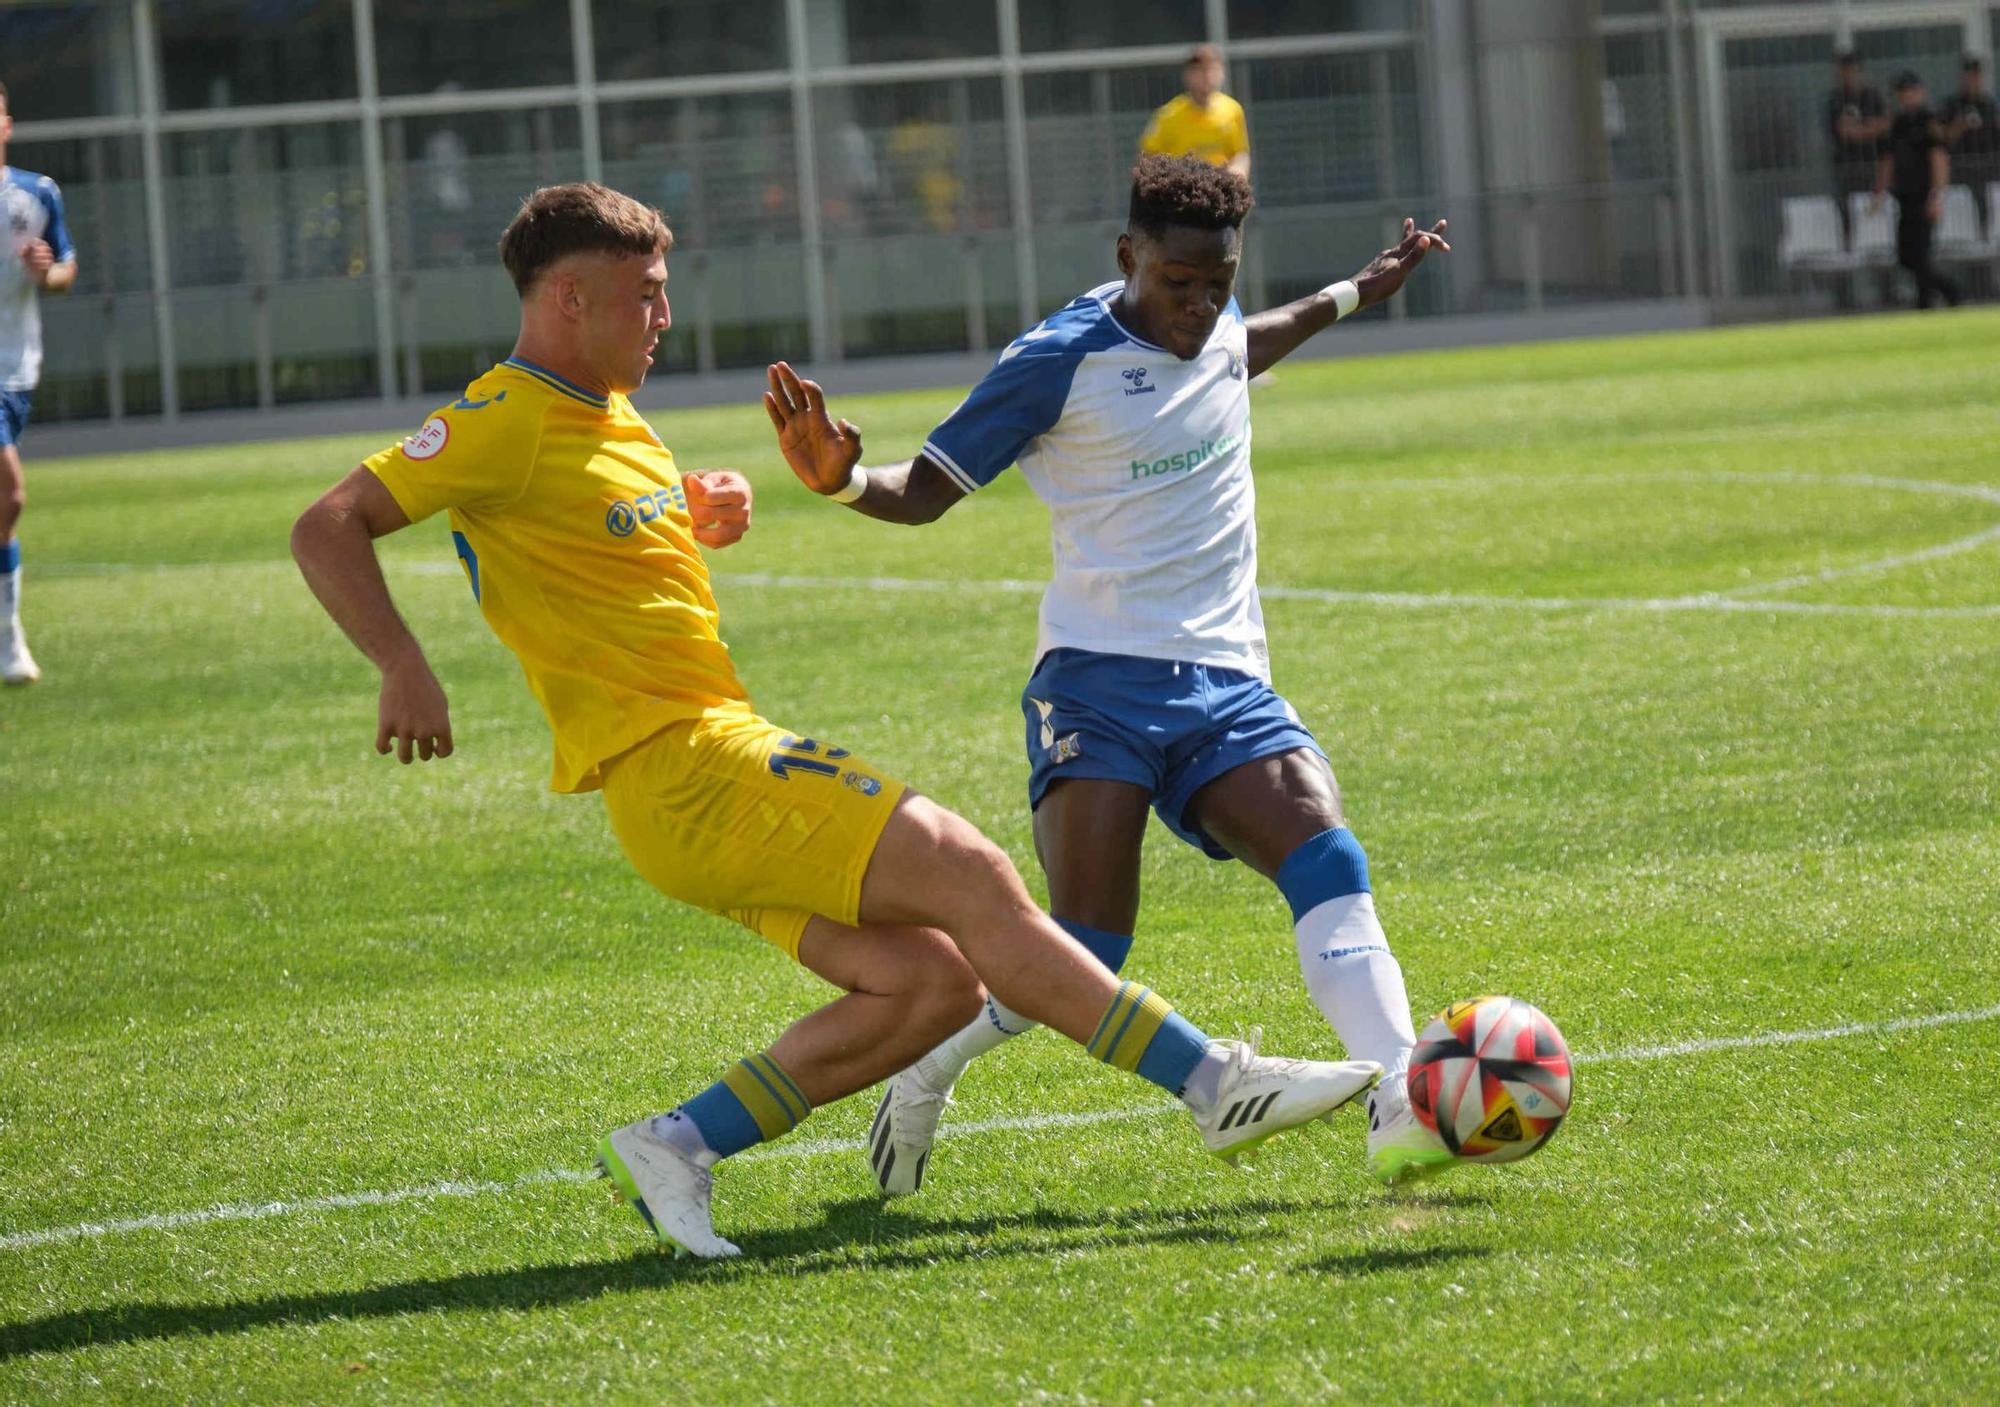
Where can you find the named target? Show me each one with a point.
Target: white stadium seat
(1958, 228)
(1874, 233)
(1992, 225)
(1811, 241)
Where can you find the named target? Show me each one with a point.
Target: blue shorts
(13, 416)
(1169, 727)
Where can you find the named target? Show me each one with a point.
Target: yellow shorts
(733, 814)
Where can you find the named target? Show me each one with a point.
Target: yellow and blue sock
(1141, 1032)
(995, 1023)
(754, 1102)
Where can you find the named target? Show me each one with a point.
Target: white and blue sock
(995, 1023)
(10, 586)
(1353, 977)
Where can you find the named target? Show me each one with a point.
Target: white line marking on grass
(1403, 599)
(1745, 598)
(810, 1148)
(1884, 564)
(1771, 1038)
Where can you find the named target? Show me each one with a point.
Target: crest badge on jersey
(1238, 364)
(428, 442)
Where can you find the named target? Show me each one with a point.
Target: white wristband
(856, 485)
(1346, 297)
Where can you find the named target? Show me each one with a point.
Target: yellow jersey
(1216, 133)
(572, 527)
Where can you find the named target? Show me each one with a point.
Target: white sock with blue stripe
(10, 586)
(995, 1023)
(1353, 977)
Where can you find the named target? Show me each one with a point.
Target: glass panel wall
(1269, 19)
(472, 44)
(646, 39)
(911, 246)
(1337, 157)
(900, 31)
(453, 181)
(67, 61)
(1110, 24)
(220, 53)
(99, 348)
(724, 170)
(268, 251)
(914, 214)
(1083, 136)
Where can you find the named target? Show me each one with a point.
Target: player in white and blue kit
(38, 256)
(1129, 413)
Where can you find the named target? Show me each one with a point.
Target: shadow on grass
(859, 1234)
(1349, 1264)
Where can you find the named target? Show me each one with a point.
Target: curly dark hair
(1185, 190)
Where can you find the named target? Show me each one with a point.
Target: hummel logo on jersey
(1137, 376)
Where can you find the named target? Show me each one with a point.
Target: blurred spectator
(1915, 166)
(1857, 122)
(1973, 133)
(447, 175)
(1204, 121)
(927, 154)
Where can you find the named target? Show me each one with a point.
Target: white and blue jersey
(1144, 462)
(33, 208)
(1152, 667)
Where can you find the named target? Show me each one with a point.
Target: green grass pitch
(1662, 679)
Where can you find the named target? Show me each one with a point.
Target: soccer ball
(1491, 1078)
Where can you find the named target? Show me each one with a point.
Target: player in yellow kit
(579, 537)
(1204, 121)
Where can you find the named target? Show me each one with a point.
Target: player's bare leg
(1281, 816)
(17, 666)
(1088, 834)
(906, 989)
(935, 868)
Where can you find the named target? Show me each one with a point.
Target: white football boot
(1400, 1148)
(665, 1188)
(899, 1141)
(17, 666)
(1260, 1096)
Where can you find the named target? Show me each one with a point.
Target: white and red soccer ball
(1491, 1077)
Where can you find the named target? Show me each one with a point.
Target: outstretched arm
(827, 458)
(334, 545)
(1277, 332)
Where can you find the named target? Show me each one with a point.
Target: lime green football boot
(1400, 1149)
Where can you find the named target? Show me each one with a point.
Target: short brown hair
(1202, 54)
(579, 218)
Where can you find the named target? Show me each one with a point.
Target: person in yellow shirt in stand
(1204, 121)
(581, 541)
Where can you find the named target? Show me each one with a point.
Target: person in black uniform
(1856, 122)
(1972, 131)
(1915, 166)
